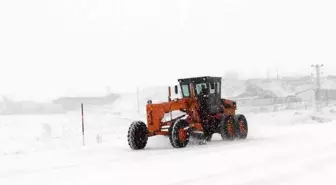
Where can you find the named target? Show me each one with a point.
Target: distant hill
(60, 105)
(130, 102)
(29, 107)
(287, 86)
(72, 103)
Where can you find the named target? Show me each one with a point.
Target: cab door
(214, 98)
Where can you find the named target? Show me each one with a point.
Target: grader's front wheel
(179, 134)
(137, 135)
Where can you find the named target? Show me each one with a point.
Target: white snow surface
(288, 147)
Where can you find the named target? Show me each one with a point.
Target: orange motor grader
(203, 113)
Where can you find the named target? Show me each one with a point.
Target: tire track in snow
(132, 156)
(150, 153)
(278, 160)
(153, 153)
(306, 169)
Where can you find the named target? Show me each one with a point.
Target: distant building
(323, 95)
(327, 94)
(306, 95)
(299, 80)
(331, 77)
(253, 90)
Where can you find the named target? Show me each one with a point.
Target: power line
(277, 73)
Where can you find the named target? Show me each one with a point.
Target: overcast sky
(51, 48)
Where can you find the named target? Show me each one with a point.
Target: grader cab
(204, 113)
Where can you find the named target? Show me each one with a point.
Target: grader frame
(204, 111)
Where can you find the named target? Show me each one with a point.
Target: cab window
(198, 87)
(212, 88)
(185, 90)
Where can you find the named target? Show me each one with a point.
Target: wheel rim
(230, 129)
(242, 128)
(182, 135)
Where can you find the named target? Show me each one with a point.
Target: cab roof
(200, 79)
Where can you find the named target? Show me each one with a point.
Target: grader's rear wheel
(241, 126)
(227, 130)
(179, 134)
(137, 135)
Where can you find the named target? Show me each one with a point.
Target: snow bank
(41, 149)
(21, 134)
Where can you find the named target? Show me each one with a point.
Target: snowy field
(287, 147)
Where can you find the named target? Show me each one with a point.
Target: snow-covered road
(282, 148)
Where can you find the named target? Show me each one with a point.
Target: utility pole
(277, 73)
(138, 100)
(317, 81)
(82, 111)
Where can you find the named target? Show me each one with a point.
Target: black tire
(175, 130)
(208, 138)
(208, 131)
(227, 130)
(137, 135)
(241, 126)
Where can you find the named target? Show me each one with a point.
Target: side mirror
(176, 89)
